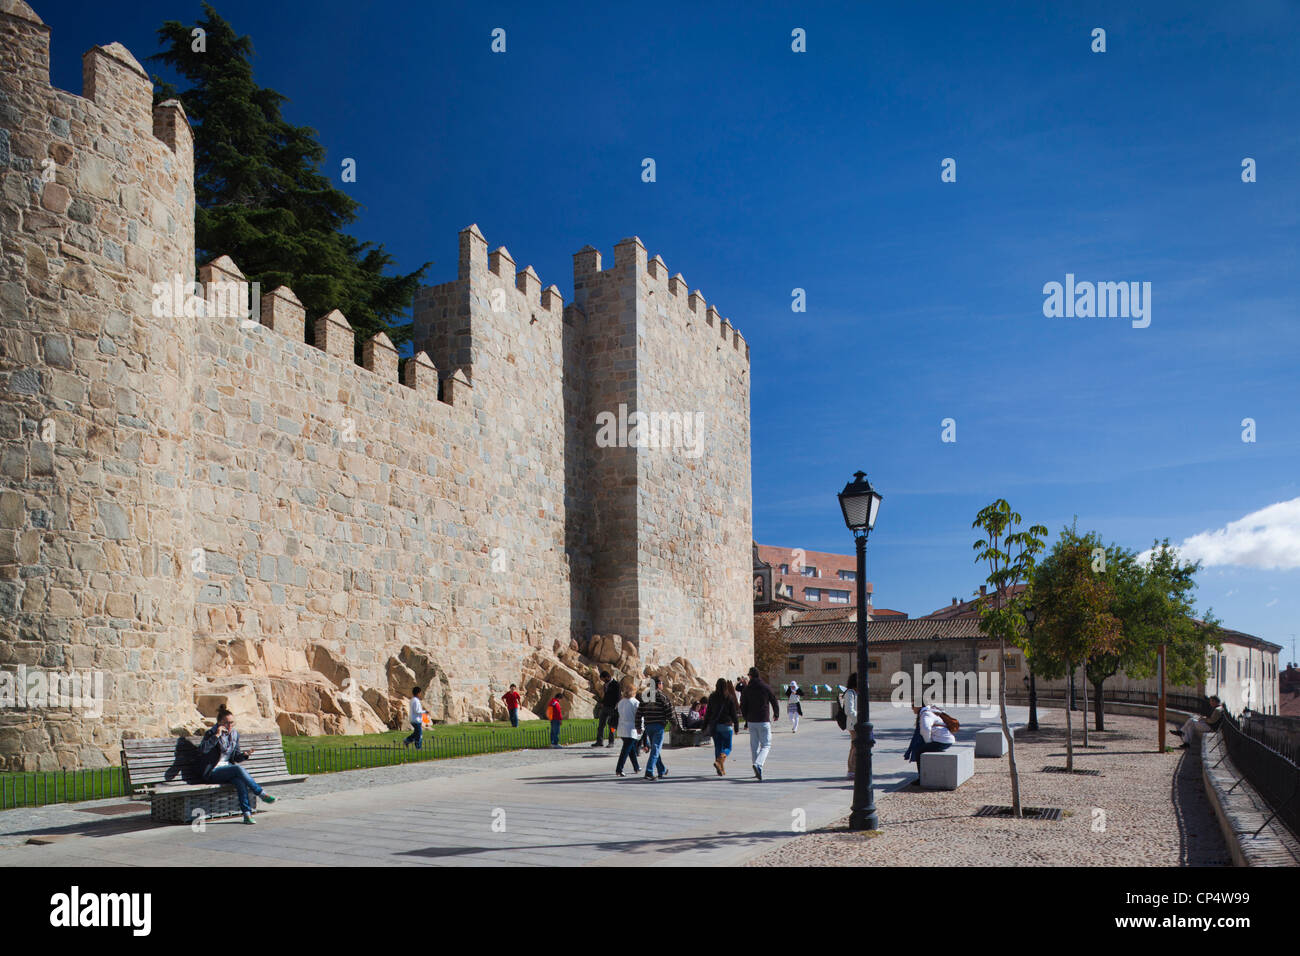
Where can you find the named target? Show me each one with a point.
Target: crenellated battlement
(112, 79)
(631, 264)
(228, 296)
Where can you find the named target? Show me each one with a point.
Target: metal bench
(165, 769)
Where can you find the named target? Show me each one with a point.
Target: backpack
(550, 711)
(841, 715)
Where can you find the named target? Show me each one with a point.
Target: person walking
(722, 717)
(607, 710)
(220, 759)
(511, 697)
(760, 706)
(629, 727)
(555, 714)
(655, 712)
(416, 735)
(794, 707)
(850, 705)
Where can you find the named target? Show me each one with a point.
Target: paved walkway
(531, 809)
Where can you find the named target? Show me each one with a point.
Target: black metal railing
(311, 760)
(40, 788)
(1274, 773)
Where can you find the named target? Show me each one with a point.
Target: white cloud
(1268, 539)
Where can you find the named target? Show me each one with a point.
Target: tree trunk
(1006, 729)
(1069, 732)
(1100, 703)
(1083, 685)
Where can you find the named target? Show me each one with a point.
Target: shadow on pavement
(717, 841)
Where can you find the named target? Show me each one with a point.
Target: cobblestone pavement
(1144, 809)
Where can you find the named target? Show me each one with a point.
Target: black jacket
(613, 694)
(721, 711)
(210, 750)
(755, 701)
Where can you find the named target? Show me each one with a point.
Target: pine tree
(261, 196)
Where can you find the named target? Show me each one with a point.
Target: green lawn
(572, 731)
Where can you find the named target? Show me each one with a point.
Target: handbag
(841, 715)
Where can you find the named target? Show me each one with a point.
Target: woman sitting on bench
(219, 760)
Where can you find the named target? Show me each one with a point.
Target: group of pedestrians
(641, 721)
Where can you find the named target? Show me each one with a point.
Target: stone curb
(1241, 812)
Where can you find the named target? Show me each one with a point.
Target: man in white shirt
(417, 721)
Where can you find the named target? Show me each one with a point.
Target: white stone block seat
(991, 742)
(947, 769)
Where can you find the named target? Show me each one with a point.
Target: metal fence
(334, 759)
(1051, 697)
(60, 786)
(1273, 772)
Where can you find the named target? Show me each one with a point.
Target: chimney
(954, 602)
(982, 589)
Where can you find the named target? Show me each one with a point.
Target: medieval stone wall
(208, 510)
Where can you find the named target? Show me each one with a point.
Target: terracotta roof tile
(882, 632)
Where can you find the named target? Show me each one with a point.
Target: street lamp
(1030, 617)
(860, 502)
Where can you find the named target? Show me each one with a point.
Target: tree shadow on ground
(728, 839)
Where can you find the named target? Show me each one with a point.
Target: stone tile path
(527, 809)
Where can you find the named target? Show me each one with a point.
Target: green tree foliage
(1153, 601)
(261, 196)
(1009, 555)
(1075, 602)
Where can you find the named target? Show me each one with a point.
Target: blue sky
(821, 171)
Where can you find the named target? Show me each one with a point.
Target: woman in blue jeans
(723, 715)
(220, 759)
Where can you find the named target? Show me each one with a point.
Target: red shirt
(554, 708)
(511, 697)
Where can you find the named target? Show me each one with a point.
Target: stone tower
(97, 206)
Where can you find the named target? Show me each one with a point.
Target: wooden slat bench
(165, 769)
(680, 736)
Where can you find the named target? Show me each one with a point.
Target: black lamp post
(860, 502)
(1030, 617)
